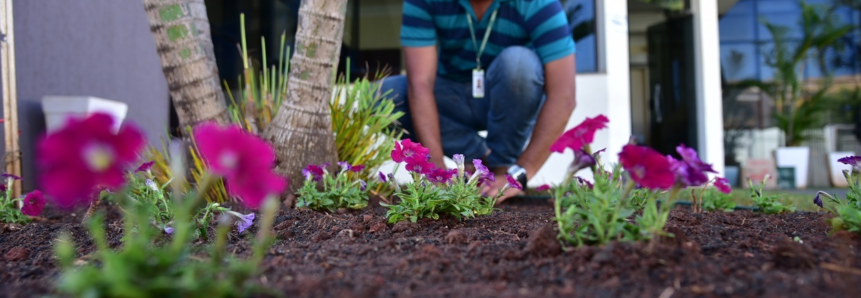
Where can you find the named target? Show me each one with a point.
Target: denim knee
(520, 70)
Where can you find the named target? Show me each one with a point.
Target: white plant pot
(835, 168)
(58, 109)
(797, 157)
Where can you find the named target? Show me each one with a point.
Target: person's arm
(560, 88)
(421, 64)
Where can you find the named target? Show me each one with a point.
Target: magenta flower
(483, 173)
(406, 149)
(854, 161)
(145, 167)
(441, 175)
(723, 185)
(34, 202)
(647, 167)
(580, 135)
(244, 160)
(85, 157)
(513, 182)
(690, 171)
(544, 187)
(313, 172)
(420, 167)
(357, 169)
(383, 177)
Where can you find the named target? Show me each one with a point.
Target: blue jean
(513, 96)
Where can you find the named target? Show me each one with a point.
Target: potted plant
(798, 103)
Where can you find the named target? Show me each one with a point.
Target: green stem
(629, 186)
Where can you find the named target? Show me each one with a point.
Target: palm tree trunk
(184, 45)
(302, 129)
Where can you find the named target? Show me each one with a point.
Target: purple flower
(544, 187)
(483, 173)
(690, 171)
(581, 161)
(245, 220)
(854, 161)
(722, 185)
(168, 230)
(513, 182)
(420, 166)
(458, 159)
(363, 184)
(383, 177)
(34, 202)
(345, 166)
(441, 175)
(818, 201)
(313, 172)
(357, 168)
(10, 176)
(144, 167)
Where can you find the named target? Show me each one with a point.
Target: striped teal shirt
(537, 24)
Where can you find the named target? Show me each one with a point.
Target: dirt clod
(16, 254)
(542, 242)
(401, 226)
(380, 226)
(456, 237)
(793, 255)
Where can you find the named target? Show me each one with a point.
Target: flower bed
(513, 253)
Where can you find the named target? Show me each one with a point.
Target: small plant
(340, 190)
(597, 214)
(149, 264)
(847, 213)
(715, 198)
(766, 204)
(18, 210)
(434, 192)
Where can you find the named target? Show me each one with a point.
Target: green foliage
(667, 4)
(342, 190)
(150, 266)
(797, 106)
(848, 212)
(363, 120)
(766, 204)
(460, 198)
(714, 200)
(601, 214)
(10, 208)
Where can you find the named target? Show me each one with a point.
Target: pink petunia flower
(34, 202)
(580, 135)
(407, 149)
(723, 185)
(647, 167)
(357, 168)
(544, 187)
(441, 175)
(144, 167)
(584, 182)
(86, 156)
(581, 161)
(513, 182)
(244, 160)
(420, 166)
(313, 172)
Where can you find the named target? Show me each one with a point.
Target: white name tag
(477, 83)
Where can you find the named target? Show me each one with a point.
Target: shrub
(18, 210)
(847, 213)
(766, 204)
(434, 192)
(589, 214)
(339, 190)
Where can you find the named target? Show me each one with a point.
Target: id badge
(477, 83)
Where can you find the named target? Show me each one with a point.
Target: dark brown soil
(512, 253)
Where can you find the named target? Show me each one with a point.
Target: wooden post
(10, 94)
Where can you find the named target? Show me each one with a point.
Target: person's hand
(493, 188)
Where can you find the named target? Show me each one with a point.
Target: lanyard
(486, 35)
